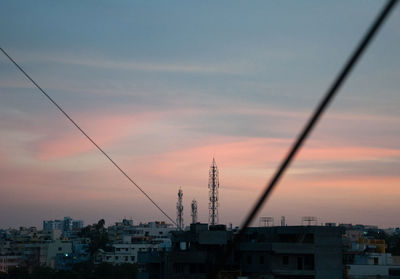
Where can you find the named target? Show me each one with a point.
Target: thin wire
(87, 136)
(320, 109)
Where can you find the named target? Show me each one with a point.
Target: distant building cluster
(365, 252)
(160, 250)
(308, 251)
(53, 246)
(126, 240)
(62, 243)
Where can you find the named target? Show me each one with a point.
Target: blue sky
(165, 86)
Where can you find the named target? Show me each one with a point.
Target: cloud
(249, 162)
(90, 60)
(105, 130)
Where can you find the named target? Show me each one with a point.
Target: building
(125, 252)
(67, 227)
(263, 252)
(8, 262)
(28, 247)
(80, 253)
(157, 230)
(51, 225)
(128, 240)
(367, 257)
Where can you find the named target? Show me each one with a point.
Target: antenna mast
(213, 185)
(179, 210)
(194, 211)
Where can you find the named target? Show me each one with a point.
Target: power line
(330, 94)
(87, 136)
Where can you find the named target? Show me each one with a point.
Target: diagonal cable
(87, 136)
(330, 94)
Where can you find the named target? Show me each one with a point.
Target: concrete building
(264, 252)
(80, 253)
(125, 252)
(126, 231)
(129, 239)
(8, 262)
(77, 225)
(366, 257)
(53, 225)
(67, 226)
(54, 248)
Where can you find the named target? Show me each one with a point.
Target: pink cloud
(105, 130)
(267, 152)
(344, 153)
(249, 163)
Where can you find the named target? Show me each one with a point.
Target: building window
(249, 259)
(126, 258)
(116, 257)
(59, 248)
(299, 263)
(285, 260)
(178, 268)
(132, 258)
(376, 261)
(192, 268)
(309, 262)
(202, 268)
(261, 259)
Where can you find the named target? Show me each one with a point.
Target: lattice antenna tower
(194, 211)
(213, 185)
(179, 210)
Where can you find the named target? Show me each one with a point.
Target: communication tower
(213, 185)
(179, 210)
(194, 211)
(283, 221)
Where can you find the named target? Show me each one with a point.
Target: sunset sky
(163, 86)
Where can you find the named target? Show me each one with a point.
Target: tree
(97, 234)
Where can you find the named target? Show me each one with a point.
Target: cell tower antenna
(194, 211)
(179, 210)
(213, 185)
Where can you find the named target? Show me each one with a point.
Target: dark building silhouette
(264, 252)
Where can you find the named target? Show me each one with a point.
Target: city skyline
(164, 88)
